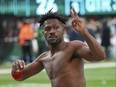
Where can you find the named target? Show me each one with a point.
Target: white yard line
(5, 71)
(100, 65)
(27, 85)
(86, 66)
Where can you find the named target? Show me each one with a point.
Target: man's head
(53, 26)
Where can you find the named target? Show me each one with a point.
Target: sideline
(86, 66)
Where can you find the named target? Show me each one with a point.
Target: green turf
(100, 77)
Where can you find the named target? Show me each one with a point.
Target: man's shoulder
(76, 43)
(43, 55)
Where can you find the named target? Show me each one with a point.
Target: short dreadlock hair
(51, 15)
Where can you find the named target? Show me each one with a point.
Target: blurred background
(16, 15)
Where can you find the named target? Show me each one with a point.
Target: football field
(97, 75)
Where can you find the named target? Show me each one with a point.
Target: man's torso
(63, 68)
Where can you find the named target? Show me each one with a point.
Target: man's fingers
(75, 13)
(72, 14)
(22, 64)
(18, 65)
(14, 66)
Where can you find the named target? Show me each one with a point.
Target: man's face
(53, 31)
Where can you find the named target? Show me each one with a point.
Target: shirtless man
(64, 60)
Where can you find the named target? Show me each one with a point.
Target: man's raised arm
(94, 51)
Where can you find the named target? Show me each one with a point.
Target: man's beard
(54, 43)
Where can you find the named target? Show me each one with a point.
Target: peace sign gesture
(77, 22)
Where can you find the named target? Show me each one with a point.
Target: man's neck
(58, 47)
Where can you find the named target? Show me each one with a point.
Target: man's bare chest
(54, 64)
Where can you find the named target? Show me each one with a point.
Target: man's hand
(18, 66)
(77, 23)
